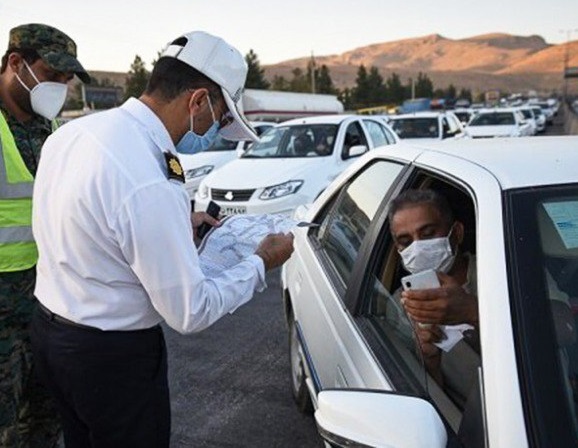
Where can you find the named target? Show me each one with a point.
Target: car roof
(514, 162)
(320, 119)
(419, 114)
(496, 110)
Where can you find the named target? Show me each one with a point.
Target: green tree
(137, 79)
(466, 94)
(361, 95)
(451, 92)
(279, 83)
(395, 90)
(376, 87)
(345, 97)
(300, 82)
(423, 86)
(256, 74)
(324, 83)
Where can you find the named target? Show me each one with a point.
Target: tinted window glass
(416, 127)
(346, 223)
(493, 119)
(545, 222)
(376, 132)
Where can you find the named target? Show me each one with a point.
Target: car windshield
(464, 117)
(422, 127)
(493, 119)
(527, 113)
(537, 111)
(545, 223)
(305, 140)
(221, 144)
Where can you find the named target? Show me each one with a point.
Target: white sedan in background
(355, 357)
(499, 122)
(292, 164)
(427, 126)
(197, 166)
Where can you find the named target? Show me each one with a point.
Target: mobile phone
(213, 210)
(422, 280)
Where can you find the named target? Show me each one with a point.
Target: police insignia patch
(174, 168)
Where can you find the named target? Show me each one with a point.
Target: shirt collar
(151, 122)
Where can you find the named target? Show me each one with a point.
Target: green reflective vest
(17, 248)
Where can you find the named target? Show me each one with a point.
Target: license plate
(234, 210)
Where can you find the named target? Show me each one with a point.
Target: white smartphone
(422, 280)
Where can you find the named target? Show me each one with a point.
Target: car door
(376, 309)
(320, 273)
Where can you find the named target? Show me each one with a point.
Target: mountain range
(490, 61)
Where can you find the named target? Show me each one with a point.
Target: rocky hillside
(482, 62)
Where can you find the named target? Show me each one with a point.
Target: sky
(110, 33)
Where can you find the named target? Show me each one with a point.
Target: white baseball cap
(223, 64)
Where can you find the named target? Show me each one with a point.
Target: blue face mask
(192, 143)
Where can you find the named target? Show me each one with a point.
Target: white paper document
(237, 238)
(453, 334)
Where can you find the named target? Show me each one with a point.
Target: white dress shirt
(114, 233)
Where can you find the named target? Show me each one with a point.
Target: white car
(464, 115)
(529, 116)
(292, 164)
(427, 126)
(355, 357)
(499, 122)
(539, 117)
(197, 166)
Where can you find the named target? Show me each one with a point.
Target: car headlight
(198, 172)
(203, 191)
(284, 189)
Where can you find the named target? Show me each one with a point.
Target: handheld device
(213, 210)
(422, 280)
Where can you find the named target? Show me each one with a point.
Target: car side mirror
(376, 418)
(355, 151)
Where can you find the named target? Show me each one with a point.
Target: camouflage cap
(55, 48)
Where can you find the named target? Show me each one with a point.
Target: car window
(451, 379)
(304, 140)
(221, 144)
(545, 307)
(354, 136)
(453, 123)
(493, 119)
(376, 133)
(420, 127)
(344, 223)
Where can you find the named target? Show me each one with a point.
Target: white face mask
(433, 253)
(46, 98)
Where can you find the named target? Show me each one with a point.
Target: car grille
(237, 195)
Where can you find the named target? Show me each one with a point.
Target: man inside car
(427, 236)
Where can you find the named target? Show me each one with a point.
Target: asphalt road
(230, 383)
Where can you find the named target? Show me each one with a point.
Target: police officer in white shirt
(113, 225)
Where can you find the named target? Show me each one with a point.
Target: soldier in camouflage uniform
(36, 53)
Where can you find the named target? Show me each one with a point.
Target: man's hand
(198, 218)
(427, 336)
(448, 305)
(275, 249)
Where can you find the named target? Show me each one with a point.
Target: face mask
(434, 253)
(46, 98)
(192, 143)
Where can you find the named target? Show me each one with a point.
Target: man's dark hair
(28, 54)
(411, 198)
(171, 77)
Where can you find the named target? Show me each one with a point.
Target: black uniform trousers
(111, 387)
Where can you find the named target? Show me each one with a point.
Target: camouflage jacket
(29, 136)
